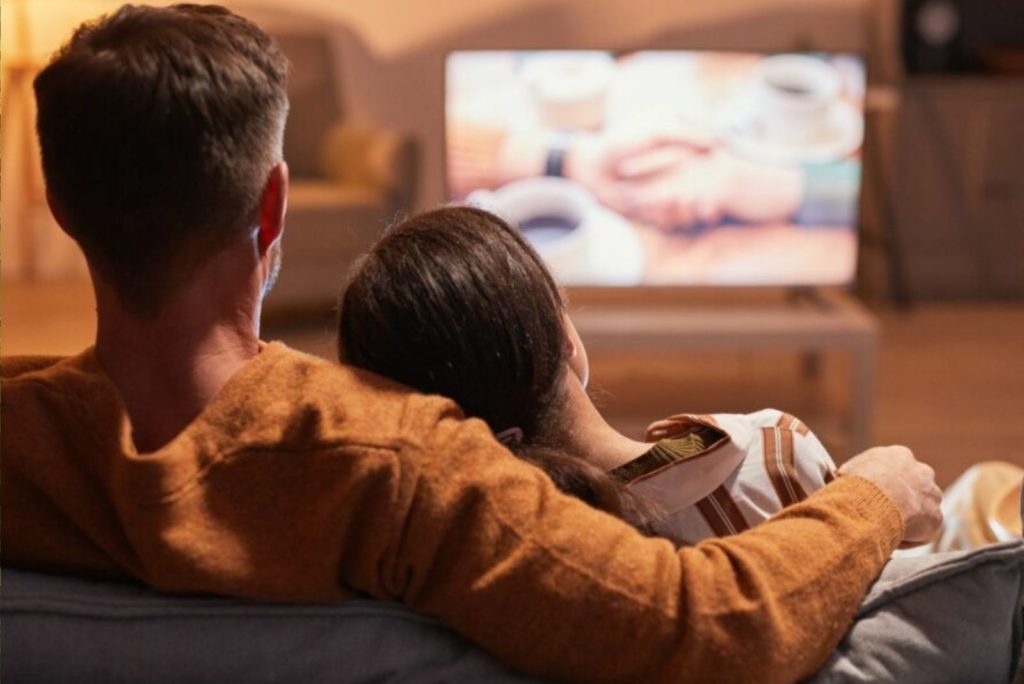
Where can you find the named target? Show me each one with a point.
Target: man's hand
(671, 180)
(908, 482)
(615, 167)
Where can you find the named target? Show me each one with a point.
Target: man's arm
(555, 588)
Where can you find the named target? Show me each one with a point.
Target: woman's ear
(575, 352)
(273, 205)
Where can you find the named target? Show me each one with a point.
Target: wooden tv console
(808, 322)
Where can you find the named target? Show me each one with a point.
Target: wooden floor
(950, 382)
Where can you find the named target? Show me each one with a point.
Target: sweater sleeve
(557, 589)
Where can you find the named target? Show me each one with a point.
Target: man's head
(160, 129)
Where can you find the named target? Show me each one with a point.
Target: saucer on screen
(842, 134)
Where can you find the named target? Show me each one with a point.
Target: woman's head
(455, 302)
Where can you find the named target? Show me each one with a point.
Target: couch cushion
(951, 617)
(59, 629)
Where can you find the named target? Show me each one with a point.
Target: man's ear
(273, 205)
(58, 213)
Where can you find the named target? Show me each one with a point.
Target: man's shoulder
(14, 368)
(46, 400)
(303, 394)
(42, 376)
(286, 373)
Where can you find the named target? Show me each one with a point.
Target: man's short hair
(158, 129)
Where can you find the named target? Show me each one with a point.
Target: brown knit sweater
(307, 481)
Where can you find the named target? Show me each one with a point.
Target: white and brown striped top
(716, 475)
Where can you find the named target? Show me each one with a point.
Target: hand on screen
(709, 188)
(678, 180)
(614, 167)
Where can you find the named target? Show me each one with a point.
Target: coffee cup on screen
(556, 215)
(570, 88)
(795, 96)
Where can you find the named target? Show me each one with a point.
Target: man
(182, 451)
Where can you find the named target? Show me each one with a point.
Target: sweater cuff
(871, 502)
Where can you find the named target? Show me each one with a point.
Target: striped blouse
(715, 475)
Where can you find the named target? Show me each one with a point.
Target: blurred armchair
(348, 181)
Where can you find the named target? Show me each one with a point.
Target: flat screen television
(665, 168)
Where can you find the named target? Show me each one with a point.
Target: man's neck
(167, 368)
(584, 431)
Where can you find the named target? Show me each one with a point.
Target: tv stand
(810, 322)
(812, 296)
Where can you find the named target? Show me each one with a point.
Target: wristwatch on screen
(554, 162)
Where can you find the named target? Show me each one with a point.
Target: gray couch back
(57, 629)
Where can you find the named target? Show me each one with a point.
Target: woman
(456, 302)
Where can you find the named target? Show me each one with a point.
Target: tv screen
(665, 168)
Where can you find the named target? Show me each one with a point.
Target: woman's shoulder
(742, 428)
(756, 443)
(762, 462)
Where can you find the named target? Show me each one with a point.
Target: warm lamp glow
(33, 29)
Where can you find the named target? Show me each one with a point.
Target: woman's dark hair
(455, 302)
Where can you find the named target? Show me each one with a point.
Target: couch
(60, 629)
(947, 618)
